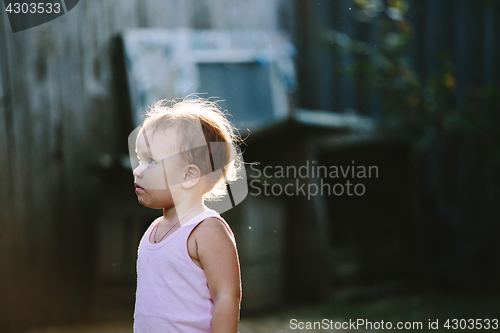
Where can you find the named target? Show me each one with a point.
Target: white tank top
(172, 291)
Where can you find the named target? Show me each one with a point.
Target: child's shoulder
(212, 243)
(213, 227)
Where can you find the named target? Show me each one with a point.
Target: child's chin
(142, 201)
(149, 205)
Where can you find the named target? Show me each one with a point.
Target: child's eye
(151, 161)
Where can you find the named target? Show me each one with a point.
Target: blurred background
(409, 86)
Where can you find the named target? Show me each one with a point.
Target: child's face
(160, 172)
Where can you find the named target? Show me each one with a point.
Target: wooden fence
(61, 114)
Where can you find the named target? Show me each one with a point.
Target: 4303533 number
(33, 8)
(471, 324)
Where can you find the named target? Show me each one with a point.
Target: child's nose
(138, 172)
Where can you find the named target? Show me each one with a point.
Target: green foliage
(426, 108)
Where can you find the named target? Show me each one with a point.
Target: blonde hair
(186, 115)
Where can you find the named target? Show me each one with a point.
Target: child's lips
(138, 188)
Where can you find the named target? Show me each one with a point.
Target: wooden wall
(61, 110)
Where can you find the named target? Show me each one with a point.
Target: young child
(188, 275)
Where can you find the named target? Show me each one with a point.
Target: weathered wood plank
(58, 116)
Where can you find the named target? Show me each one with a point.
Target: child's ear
(191, 176)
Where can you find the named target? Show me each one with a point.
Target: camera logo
(26, 14)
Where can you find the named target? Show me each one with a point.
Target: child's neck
(183, 211)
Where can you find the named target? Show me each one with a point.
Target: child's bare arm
(218, 257)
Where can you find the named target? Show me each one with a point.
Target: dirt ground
(423, 307)
(265, 325)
